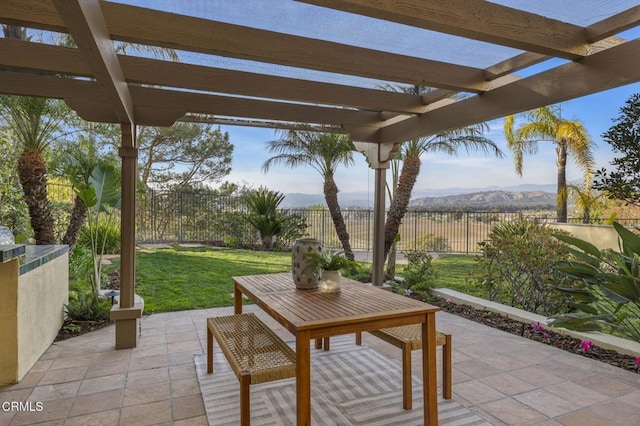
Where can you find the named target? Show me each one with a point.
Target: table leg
(429, 370)
(237, 300)
(303, 378)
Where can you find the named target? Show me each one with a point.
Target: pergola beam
(218, 38)
(478, 20)
(153, 104)
(614, 25)
(57, 59)
(86, 24)
(603, 71)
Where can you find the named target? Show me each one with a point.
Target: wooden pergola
(103, 86)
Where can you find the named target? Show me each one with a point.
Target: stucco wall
(8, 321)
(601, 236)
(31, 313)
(42, 294)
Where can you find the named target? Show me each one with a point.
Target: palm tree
(586, 198)
(449, 142)
(324, 152)
(33, 122)
(263, 205)
(571, 139)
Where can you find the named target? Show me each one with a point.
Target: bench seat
(254, 352)
(408, 338)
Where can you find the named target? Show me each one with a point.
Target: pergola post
(378, 157)
(128, 311)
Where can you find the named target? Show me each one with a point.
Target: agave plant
(607, 295)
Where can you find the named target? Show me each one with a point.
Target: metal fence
(179, 216)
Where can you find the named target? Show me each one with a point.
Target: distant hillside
(365, 200)
(503, 200)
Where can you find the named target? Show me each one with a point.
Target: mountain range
(524, 196)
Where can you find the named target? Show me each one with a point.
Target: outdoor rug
(350, 385)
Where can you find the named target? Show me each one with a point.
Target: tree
(623, 183)
(324, 152)
(586, 199)
(570, 137)
(33, 123)
(203, 153)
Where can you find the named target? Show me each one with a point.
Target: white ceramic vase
(306, 275)
(330, 282)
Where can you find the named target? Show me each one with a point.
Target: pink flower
(536, 326)
(586, 345)
(448, 300)
(408, 292)
(637, 363)
(545, 335)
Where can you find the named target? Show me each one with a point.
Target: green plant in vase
(330, 262)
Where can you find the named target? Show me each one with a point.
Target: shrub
(419, 273)
(80, 268)
(108, 237)
(88, 307)
(517, 267)
(607, 292)
(293, 227)
(433, 243)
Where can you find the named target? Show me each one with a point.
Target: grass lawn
(192, 278)
(455, 271)
(183, 278)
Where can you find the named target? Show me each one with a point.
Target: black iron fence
(179, 216)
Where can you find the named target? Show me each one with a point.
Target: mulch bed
(72, 328)
(534, 332)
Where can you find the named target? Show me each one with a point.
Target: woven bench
(408, 338)
(254, 352)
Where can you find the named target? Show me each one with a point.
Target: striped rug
(351, 385)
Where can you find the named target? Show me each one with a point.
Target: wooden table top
(346, 311)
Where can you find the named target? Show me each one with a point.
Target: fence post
(467, 233)
(179, 216)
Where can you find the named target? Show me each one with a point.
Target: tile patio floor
(504, 378)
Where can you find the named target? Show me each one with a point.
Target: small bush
(433, 243)
(517, 267)
(80, 268)
(88, 307)
(419, 273)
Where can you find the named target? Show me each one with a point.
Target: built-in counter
(34, 287)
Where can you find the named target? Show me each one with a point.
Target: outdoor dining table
(311, 314)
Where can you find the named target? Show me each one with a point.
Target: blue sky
(596, 112)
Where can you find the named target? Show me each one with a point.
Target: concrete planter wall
(606, 341)
(601, 236)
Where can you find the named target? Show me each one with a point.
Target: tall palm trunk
(331, 197)
(561, 204)
(75, 223)
(401, 197)
(32, 170)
